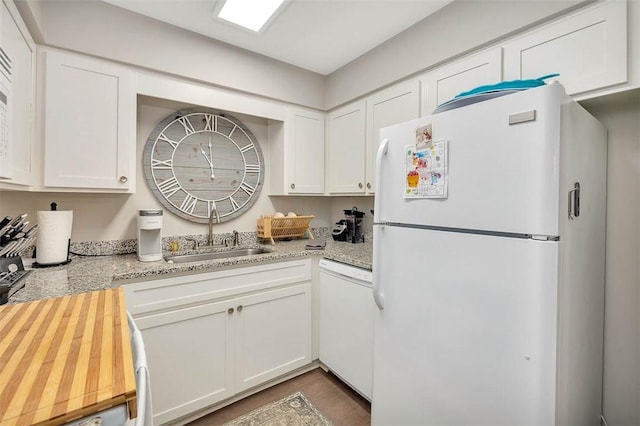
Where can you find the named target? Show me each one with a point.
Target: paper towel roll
(53, 236)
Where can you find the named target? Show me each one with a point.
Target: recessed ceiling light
(251, 14)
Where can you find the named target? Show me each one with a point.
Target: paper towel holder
(54, 207)
(47, 265)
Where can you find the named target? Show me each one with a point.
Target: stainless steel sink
(184, 258)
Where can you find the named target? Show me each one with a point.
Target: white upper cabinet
(89, 124)
(297, 153)
(346, 149)
(20, 48)
(445, 82)
(385, 108)
(588, 49)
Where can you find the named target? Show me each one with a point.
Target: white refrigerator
(490, 281)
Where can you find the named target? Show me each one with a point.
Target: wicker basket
(272, 228)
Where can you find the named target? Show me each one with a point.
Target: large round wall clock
(201, 163)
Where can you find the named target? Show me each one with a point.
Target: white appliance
(347, 313)
(490, 301)
(149, 235)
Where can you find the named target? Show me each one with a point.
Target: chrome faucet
(196, 245)
(214, 211)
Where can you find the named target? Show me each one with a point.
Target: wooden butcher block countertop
(65, 358)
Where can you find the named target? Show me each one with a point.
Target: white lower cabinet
(210, 336)
(190, 356)
(273, 334)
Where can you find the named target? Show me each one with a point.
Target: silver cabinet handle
(293, 186)
(360, 185)
(230, 311)
(240, 308)
(123, 179)
(574, 201)
(368, 185)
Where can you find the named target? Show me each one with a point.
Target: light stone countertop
(89, 273)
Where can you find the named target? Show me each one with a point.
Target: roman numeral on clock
(234, 203)
(186, 124)
(210, 206)
(169, 187)
(164, 138)
(189, 204)
(252, 168)
(247, 188)
(161, 164)
(247, 148)
(208, 122)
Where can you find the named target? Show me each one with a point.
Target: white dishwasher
(347, 312)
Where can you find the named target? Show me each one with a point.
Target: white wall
(104, 30)
(452, 31)
(621, 115)
(103, 217)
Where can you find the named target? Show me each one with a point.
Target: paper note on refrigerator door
(426, 166)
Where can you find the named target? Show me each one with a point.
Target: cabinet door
(346, 145)
(19, 46)
(392, 106)
(190, 353)
(442, 84)
(89, 124)
(588, 49)
(305, 148)
(273, 334)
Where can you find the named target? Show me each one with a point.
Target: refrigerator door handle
(574, 201)
(377, 290)
(382, 151)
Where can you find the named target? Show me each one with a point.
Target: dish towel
(318, 244)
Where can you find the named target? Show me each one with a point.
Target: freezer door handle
(382, 151)
(574, 201)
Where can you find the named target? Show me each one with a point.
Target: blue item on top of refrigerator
(490, 91)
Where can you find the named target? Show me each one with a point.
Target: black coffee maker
(353, 220)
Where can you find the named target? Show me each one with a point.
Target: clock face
(197, 160)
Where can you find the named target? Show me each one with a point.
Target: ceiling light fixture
(251, 14)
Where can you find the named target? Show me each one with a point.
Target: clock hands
(211, 157)
(208, 158)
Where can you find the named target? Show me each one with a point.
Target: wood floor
(335, 400)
